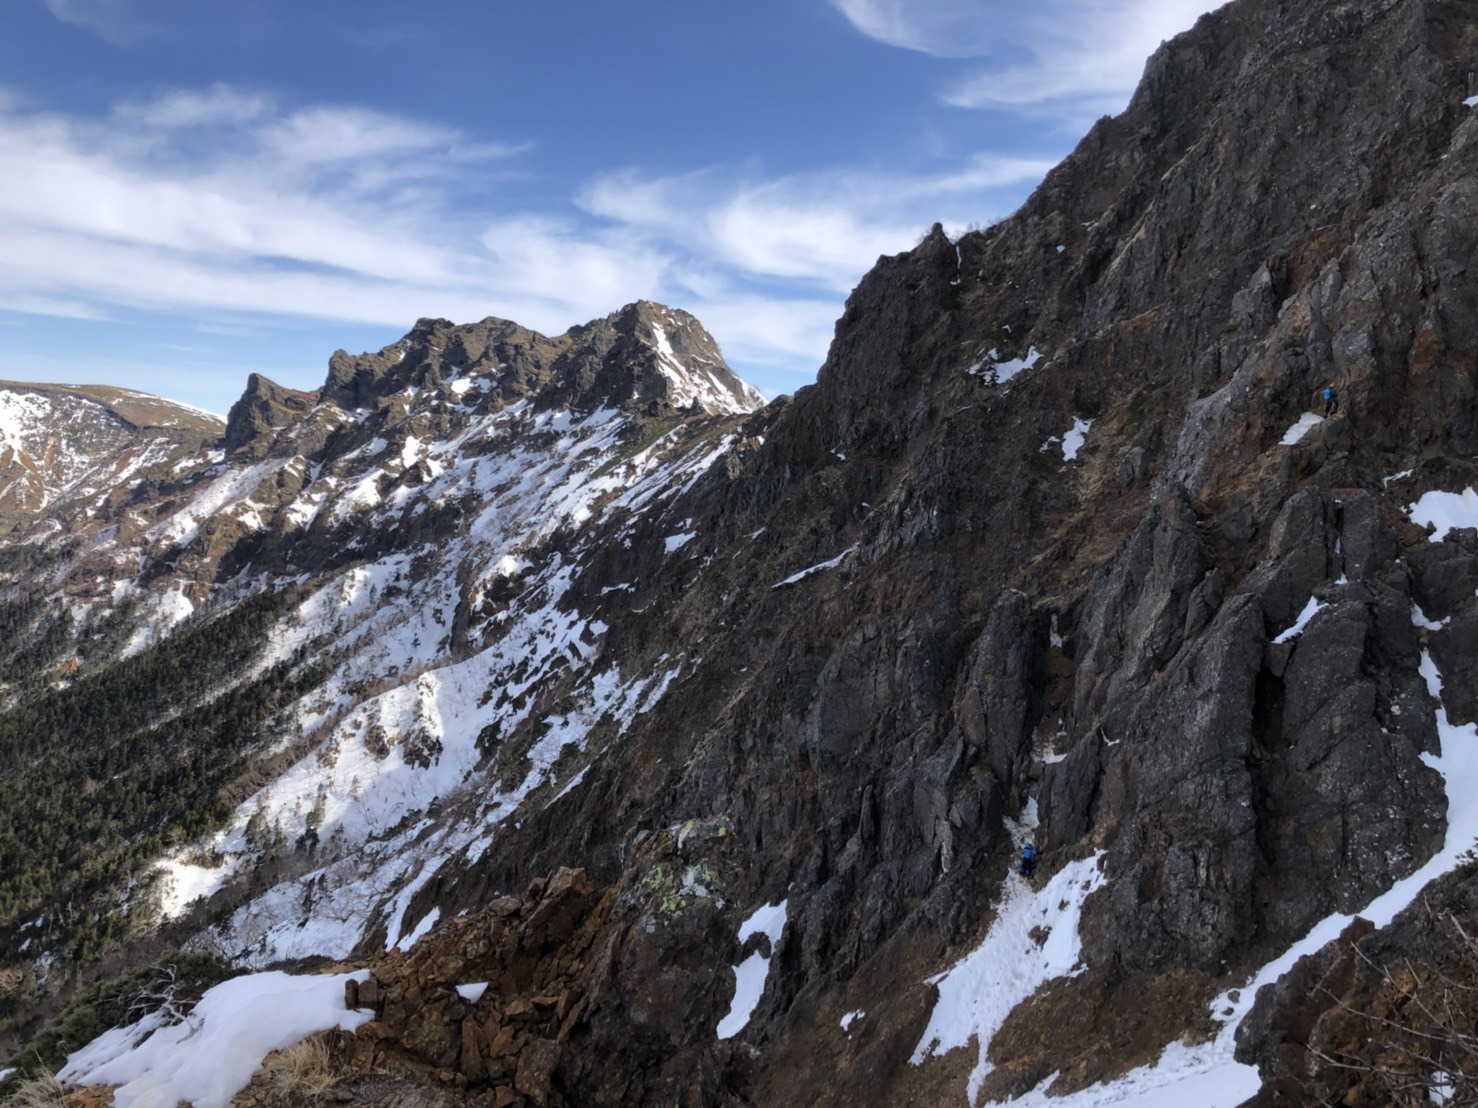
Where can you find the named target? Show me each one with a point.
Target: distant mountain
(618, 741)
(65, 449)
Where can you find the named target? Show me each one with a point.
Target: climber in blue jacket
(1028, 859)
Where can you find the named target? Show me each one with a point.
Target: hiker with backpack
(1028, 860)
(1331, 399)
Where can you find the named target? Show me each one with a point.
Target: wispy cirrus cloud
(1075, 59)
(226, 200)
(822, 229)
(112, 20)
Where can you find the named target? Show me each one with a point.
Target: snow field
(528, 492)
(977, 993)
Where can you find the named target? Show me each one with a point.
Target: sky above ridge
(191, 191)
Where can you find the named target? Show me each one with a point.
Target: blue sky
(193, 190)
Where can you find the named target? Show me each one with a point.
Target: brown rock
(572, 1019)
(474, 1046)
(505, 906)
(504, 1043)
(351, 994)
(503, 1097)
(369, 994)
(536, 1069)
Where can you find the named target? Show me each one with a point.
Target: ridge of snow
(831, 563)
(1309, 610)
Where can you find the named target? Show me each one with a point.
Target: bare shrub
(1418, 1040)
(42, 1091)
(304, 1069)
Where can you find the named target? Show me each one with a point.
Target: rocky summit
(548, 721)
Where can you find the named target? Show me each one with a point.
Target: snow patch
(211, 1056)
(422, 928)
(990, 365)
(1446, 511)
(472, 993)
(677, 542)
(750, 974)
(1013, 962)
(1072, 442)
(1306, 423)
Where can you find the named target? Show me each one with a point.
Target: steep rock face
(1053, 549)
(1359, 1022)
(264, 407)
(1241, 787)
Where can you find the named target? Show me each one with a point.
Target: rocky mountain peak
(648, 356)
(264, 407)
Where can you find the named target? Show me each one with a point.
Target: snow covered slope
(65, 449)
(435, 507)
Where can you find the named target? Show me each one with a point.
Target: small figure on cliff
(1028, 860)
(1331, 400)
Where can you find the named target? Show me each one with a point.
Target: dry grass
(304, 1069)
(44, 1091)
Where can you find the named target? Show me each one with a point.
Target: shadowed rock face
(899, 619)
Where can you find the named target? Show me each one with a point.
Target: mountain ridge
(1053, 550)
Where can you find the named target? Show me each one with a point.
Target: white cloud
(818, 229)
(219, 105)
(1075, 59)
(209, 202)
(108, 19)
(944, 28)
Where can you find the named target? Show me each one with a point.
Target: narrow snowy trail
(1033, 940)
